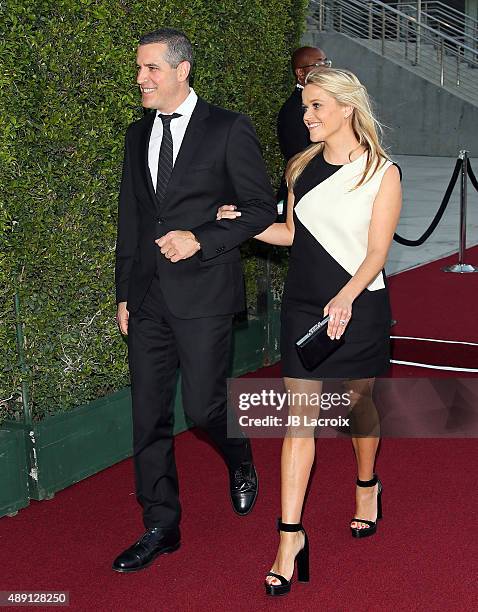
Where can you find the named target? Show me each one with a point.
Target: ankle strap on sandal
(290, 527)
(368, 483)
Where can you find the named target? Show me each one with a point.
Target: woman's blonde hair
(347, 90)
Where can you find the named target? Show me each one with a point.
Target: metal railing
(439, 57)
(443, 18)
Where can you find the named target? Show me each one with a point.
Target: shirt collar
(186, 108)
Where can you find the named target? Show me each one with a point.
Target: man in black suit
(179, 277)
(291, 131)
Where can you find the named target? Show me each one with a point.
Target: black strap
(472, 176)
(290, 527)
(358, 520)
(368, 483)
(281, 579)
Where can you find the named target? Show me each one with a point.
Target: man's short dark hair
(179, 45)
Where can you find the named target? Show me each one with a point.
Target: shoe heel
(303, 562)
(379, 504)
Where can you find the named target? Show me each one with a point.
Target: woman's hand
(227, 211)
(339, 310)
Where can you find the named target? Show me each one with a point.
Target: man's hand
(178, 244)
(122, 316)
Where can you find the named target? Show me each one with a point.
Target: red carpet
(422, 557)
(433, 304)
(430, 303)
(439, 354)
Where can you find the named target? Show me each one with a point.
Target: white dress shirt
(178, 129)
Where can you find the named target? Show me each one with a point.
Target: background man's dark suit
(182, 312)
(293, 136)
(291, 130)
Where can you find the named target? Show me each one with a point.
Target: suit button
(160, 220)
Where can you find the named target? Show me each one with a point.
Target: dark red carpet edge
(423, 557)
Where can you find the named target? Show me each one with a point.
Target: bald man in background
(291, 131)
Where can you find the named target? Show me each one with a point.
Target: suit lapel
(144, 146)
(191, 141)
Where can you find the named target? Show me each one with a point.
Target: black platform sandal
(302, 559)
(372, 525)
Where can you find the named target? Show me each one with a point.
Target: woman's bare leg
(298, 453)
(365, 426)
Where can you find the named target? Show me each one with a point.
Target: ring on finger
(342, 322)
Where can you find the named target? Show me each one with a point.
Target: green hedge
(67, 94)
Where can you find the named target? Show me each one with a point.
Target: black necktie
(165, 162)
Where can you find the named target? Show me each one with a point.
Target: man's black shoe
(244, 486)
(156, 541)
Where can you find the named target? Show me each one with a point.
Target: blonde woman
(343, 207)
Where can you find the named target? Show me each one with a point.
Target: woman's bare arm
(280, 234)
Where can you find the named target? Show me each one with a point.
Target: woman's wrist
(348, 294)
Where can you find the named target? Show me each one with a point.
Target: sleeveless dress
(330, 242)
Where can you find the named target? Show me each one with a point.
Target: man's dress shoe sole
(163, 551)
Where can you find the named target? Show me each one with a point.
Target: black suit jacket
(291, 131)
(219, 162)
(293, 136)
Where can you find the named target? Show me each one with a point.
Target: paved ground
(425, 180)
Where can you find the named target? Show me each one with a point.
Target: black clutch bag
(315, 346)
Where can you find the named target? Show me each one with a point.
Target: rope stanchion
(472, 176)
(439, 214)
(462, 168)
(461, 267)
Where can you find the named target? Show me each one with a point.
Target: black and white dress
(331, 234)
